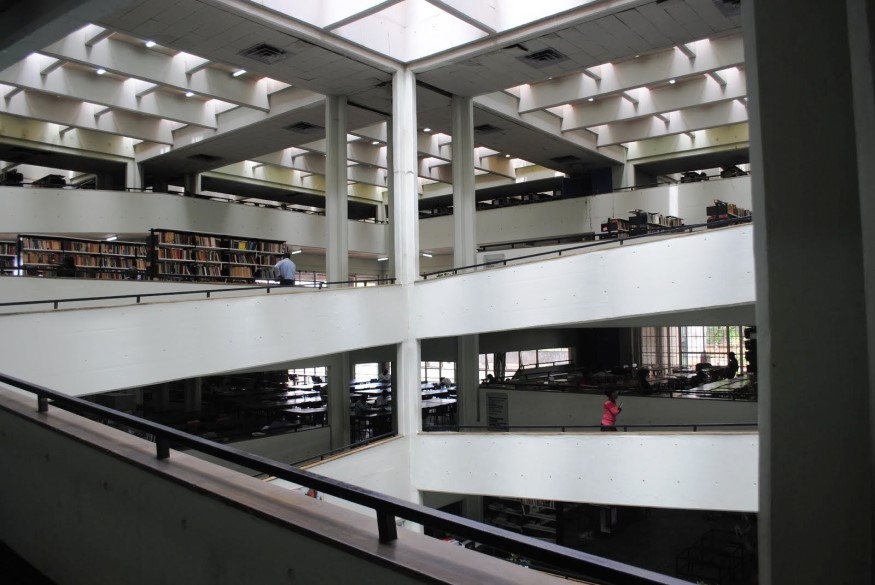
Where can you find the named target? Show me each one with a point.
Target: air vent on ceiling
(486, 129)
(566, 159)
(264, 53)
(304, 128)
(729, 8)
(205, 158)
(544, 58)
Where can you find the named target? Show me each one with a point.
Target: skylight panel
(410, 30)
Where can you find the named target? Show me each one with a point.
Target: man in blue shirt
(286, 270)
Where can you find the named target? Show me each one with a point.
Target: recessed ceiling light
(426, 254)
(672, 81)
(100, 71)
(426, 129)
(293, 252)
(111, 238)
(375, 142)
(238, 73)
(189, 93)
(150, 44)
(507, 156)
(382, 258)
(590, 99)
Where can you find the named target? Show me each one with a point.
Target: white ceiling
(651, 67)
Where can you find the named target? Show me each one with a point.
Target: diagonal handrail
(387, 508)
(662, 232)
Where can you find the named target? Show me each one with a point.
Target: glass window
(684, 347)
(363, 372)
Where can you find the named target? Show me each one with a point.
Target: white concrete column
(623, 175)
(405, 204)
(192, 183)
(404, 212)
(815, 402)
(464, 202)
(338, 399)
(468, 378)
(133, 175)
(407, 396)
(336, 198)
(389, 200)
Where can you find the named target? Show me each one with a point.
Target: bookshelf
(722, 210)
(8, 256)
(42, 255)
(643, 222)
(535, 518)
(198, 256)
(124, 260)
(615, 227)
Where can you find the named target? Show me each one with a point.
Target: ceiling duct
(264, 53)
(304, 128)
(729, 8)
(486, 129)
(205, 158)
(544, 58)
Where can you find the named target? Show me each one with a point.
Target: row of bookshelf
(213, 256)
(167, 254)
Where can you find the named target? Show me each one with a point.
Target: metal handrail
(563, 428)
(673, 230)
(208, 292)
(387, 508)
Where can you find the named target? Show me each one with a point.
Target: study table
(309, 416)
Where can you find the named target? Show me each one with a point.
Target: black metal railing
(206, 293)
(565, 428)
(603, 242)
(387, 508)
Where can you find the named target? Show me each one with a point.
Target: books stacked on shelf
(8, 257)
(123, 260)
(241, 259)
(615, 227)
(722, 210)
(643, 222)
(44, 255)
(269, 253)
(212, 257)
(40, 255)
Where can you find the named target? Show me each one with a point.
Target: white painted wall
(628, 280)
(63, 211)
(83, 351)
(383, 467)
(586, 214)
(58, 211)
(663, 470)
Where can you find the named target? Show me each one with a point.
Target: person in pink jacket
(612, 409)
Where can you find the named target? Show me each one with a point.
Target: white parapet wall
(83, 351)
(699, 471)
(85, 503)
(525, 407)
(707, 270)
(66, 211)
